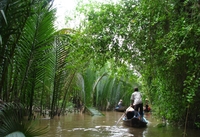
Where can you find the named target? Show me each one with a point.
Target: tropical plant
(28, 53)
(159, 45)
(13, 123)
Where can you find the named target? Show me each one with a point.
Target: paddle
(123, 115)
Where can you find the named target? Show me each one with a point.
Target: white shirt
(137, 97)
(120, 103)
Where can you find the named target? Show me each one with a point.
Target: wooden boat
(131, 121)
(120, 109)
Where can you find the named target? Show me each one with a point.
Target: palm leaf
(3, 14)
(81, 85)
(97, 81)
(33, 59)
(16, 134)
(16, 12)
(12, 120)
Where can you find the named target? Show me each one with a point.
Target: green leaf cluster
(160, 41)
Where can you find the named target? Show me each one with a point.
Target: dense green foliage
(150, 44)
(27, 52)
(159, 39)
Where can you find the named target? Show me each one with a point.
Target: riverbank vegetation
(150, 44)
(160, 41)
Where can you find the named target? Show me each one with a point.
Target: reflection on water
(84, 125)
(99, 131)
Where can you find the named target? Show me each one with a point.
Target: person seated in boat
(131, 113)
(147, 108)
(119, 103)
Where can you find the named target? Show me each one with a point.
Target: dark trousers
(140, 107)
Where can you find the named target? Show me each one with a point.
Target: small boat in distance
(120, 109)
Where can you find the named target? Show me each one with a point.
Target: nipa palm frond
(12, 120)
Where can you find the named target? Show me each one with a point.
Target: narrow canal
(84, 125)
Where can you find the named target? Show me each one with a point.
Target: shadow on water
(84, 125)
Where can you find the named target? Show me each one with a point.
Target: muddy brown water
(84, 125)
